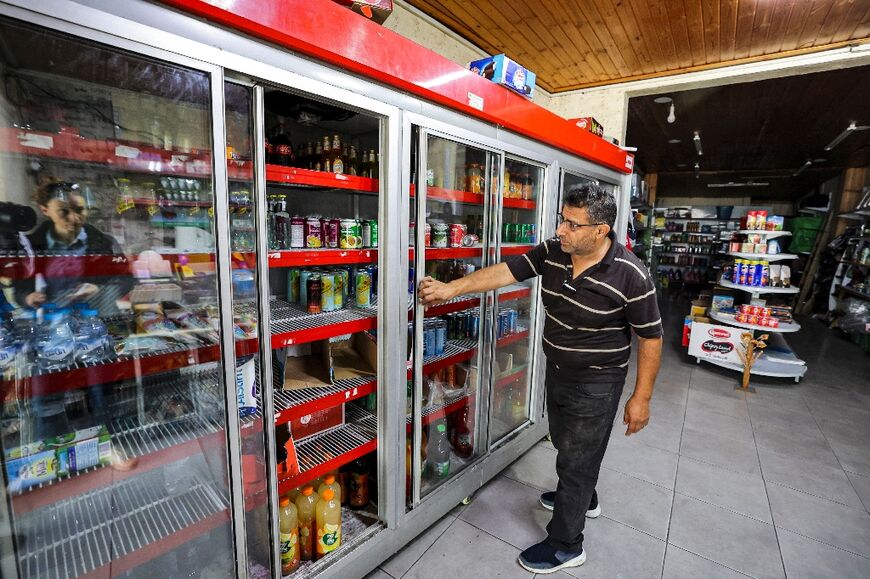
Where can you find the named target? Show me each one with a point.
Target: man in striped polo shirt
(595, 293)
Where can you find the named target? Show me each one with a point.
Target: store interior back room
(215, 218)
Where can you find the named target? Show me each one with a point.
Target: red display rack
(313, 257)
(278, 174)
(453, 306)
(298, 403)
(283, 339)
(513, 338)
(514, 294)
(453, 195)
(433, 253)
(512, 377)
(432, 414)
(129, 156)
(515, 249)
(527, 204)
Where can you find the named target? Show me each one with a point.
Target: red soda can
(455, 235)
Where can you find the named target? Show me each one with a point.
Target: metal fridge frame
(156, 31)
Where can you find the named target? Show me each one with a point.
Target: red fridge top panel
(313, 27)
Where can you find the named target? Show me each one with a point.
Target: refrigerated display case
(256, 223)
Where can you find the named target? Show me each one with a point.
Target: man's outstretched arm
(433, 292)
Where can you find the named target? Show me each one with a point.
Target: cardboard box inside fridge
(506, 72)
(323, 363)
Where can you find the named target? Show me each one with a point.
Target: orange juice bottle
(328, 523)
(329, 482)
(289, 528)
(306, 505)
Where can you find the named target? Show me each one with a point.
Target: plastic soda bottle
(328, 523)
(439, 451)
(289, 529)
(329, 482)
(306, 505)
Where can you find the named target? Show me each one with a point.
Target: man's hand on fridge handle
(433, 292)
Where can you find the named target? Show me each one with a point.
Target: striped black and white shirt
(589, 319)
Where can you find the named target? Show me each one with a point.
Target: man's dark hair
(599, 203)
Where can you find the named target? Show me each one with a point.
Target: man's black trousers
(581, 416)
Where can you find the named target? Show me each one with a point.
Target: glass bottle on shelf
(326, 155)
(353, 162)
(316, 163)
(336, 157)
(284, 154)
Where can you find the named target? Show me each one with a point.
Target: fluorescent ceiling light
(675, 141)
(697, 139)
(733, 184)
(671, 116)
(662, 100)
(846, 132)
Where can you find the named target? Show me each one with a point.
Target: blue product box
(25, 472)
(506, 72)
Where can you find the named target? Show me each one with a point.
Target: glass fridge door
(512, 321)
(324, 201)
(114, 408)
(449, 229)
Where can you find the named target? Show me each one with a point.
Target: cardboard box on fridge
(377, 10)
(589, 124)
(506, 72)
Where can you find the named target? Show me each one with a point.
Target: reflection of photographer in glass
(66, 233)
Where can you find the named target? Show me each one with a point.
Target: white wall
(425, 31)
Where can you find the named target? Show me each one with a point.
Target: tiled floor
(720, 484)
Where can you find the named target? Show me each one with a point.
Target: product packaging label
(328, 538)
(288, 548)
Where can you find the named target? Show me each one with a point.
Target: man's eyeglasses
(573, 225)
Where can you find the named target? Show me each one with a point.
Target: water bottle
(55, 344)
(91, 338)
(26, 330)
(8, 351)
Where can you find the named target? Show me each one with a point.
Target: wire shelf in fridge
(118, 527)
(328, 450)
(293, 404)
(291, 324)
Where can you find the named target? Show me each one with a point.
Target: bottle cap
(308, 490)
(328, 494)
(329, 479)
(284, 501)
(442, 428)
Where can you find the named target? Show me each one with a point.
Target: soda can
(313, 233)
(742, 269)
(765, 274)
(474, 326)
(503, 324)
(366, 233)
(347, 236)
(430, 339)
(297, 232)
(440, 337)
(736, 274)
(462, 322)
(363, 288)
(293, 285)
(455, 234)
(313, 290)
(345, 286)
(304, 274)
(338, 289)
(411, 280)
(373, 224)
(333, 231)
(357, 232)
(327, 291)
(513, 317)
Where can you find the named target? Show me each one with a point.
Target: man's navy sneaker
(548, 499)
(544, 558)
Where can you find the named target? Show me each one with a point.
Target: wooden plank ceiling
(763, 130)
(572, 44)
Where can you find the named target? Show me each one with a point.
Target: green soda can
(338, 289)
(363, 288)
(373, 224)
(293, 285)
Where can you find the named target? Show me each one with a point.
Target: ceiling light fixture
(662, 100)
(697, 170)
(846, 132)
(803, 168)
(671, 116)
(697, 139)
(675, 141)
(733, 184)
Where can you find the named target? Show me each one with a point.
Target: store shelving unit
(758, 290)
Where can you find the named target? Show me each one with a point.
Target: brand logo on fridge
(713, 347)
(719, 333)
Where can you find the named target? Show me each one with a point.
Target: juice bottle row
(310, 517)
